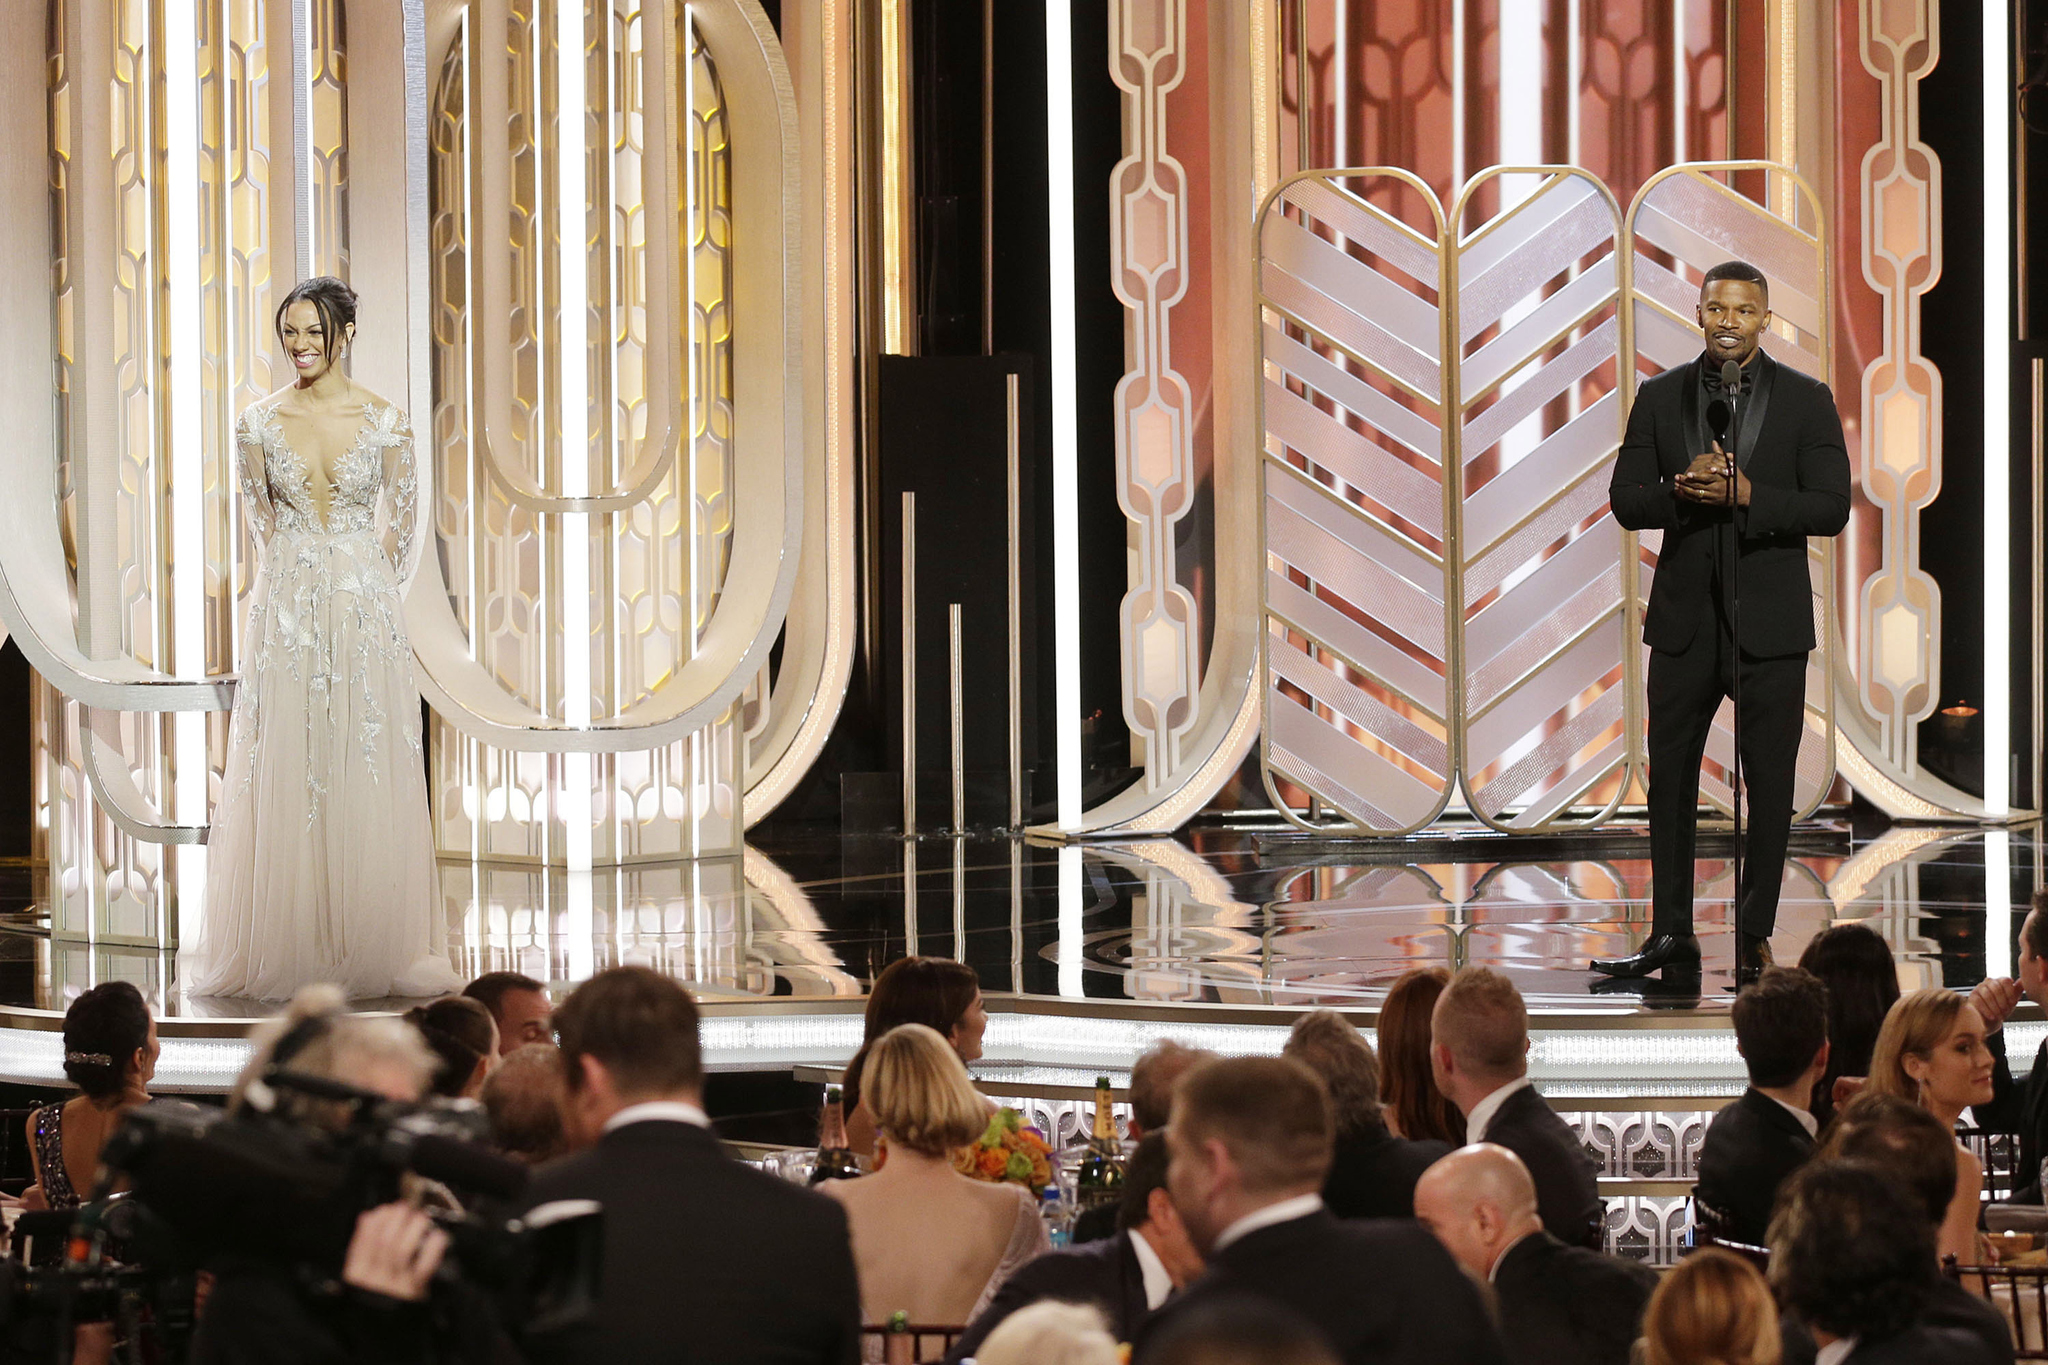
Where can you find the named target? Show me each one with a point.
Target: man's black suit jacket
(1790, 447)
(2019, 1107)
(1383, 1291)
(1560, 1303)
(1374, 1176)
(1567, 1183)
(1749, 1149)
(1950, 1309)
(1104, 1273)
(706, 1260)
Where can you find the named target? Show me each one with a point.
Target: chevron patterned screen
(1447, 616)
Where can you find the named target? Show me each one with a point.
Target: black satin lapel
(1691, 415)
(1755, 404)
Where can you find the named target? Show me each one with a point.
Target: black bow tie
(1710, 376)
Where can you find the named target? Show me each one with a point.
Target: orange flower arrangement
(1008, 1151)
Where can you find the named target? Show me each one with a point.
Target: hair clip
(88, 1059)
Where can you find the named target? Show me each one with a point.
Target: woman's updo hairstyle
(459, 1033)
(102, 1030)
(334, 300)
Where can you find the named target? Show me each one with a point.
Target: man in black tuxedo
(1918, 1156)
(1479, 1054)
(1126, 1275)
(2019, 1107)
(1555, 1302)
(1781, 1030)
(1250, 1144)
(1791, 481)
(1852, 1260)
(705, 1258)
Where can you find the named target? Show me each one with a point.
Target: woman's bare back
(926, 1239)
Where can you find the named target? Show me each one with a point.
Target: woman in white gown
(320, 866)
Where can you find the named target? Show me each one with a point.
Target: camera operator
(382, 1310)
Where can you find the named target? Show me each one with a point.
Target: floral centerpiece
(1008, 1151)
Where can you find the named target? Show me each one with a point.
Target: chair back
(17, 1161)
(907, 1343)
(2020, 1292)
(1999, 1155)
(1714, 1227)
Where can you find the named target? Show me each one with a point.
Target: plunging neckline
(363, 430)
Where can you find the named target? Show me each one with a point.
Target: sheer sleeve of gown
(1028, 1241)
(398, 504)
(255, 481)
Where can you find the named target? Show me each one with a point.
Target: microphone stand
(1732, 586)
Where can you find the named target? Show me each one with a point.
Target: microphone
(1731, 377)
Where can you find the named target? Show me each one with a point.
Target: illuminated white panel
(1998, 286)
(1066, 538)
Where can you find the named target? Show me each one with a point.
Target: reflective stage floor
(1231, 917)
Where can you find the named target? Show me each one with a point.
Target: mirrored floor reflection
(1228, 917)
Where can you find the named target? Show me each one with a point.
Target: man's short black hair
(491, 988)
(1781, 1021)
(1737, 270)
(2036, 928)
(1145, 1173)
(1852, 1251)
(1234, 1328)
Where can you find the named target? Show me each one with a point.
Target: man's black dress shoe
(1752, 955)
(1661, 951)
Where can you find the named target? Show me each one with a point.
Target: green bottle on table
(1100, 1179)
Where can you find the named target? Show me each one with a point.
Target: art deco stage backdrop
(1332, 311)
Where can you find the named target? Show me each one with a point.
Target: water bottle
(1059, 1223)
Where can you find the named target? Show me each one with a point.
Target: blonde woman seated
(1713, 1308)
(927, 1240)
(1931, 1051)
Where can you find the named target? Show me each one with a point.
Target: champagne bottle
(836, 1160)
(1100, 1179)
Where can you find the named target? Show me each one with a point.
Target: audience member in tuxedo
(1051, 1333)
(1250, 1146)
(927, 1240)
(1713, 1308)
(1153, 1076)
(1415, 1109)
(1372, 1172)
(1918, 1155)
(1241, 1329)
(389, 1308)
(1125, 1276)
(523, 1102)
(463, 1037)
(2015, 1107)
(1931, 1051)
(1855, 963)
(941, 994)
(1852, 1254)
(519, 1006)
(705, 1258)
(1479, 1052)
(1781, 1030)
(1554, 1302)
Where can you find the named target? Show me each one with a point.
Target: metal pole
(1016, 613)
(909, 665)
(910, 897)
(959, 730)
(959, 898)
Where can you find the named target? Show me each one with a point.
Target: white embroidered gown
(320, 866)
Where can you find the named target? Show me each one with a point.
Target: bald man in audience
(1555, 1302)
(1249, 1145)
(1479, 1054)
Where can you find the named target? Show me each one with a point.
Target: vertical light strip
(187, 437)
(1997, 903)
(1457, 100)
(702, 754)
(1340, 86)
(896, 266)
(1681, 88)
(302, 133)
(1996, 117)
(1071, 891)
(572, 397)
(1066, 532)
(1575, 76)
